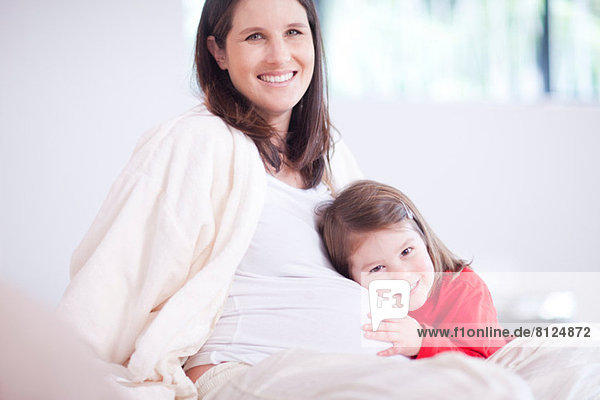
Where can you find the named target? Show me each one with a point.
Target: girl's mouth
(414, 286)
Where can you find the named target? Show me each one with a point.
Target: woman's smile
(277, 79)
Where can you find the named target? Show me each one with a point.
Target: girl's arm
(466, 321)
(454, 316)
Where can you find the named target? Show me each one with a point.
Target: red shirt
(463, 307)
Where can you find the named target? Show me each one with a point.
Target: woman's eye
(254, 36)
(294, 32)
(407, 251)
(377, 268)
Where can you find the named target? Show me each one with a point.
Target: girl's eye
(377, 269)
(294, 32)
(407, 251)
(255, 36)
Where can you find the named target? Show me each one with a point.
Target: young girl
(373, 231)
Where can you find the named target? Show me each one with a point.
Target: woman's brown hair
(308, 139)
(368, 206)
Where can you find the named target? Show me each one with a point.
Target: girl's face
(398, 252)
(269, 55)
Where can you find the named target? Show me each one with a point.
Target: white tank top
(285, 293)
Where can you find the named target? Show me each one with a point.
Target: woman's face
(395, 253)
(269, 55)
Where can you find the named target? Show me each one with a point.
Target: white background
(514, 187)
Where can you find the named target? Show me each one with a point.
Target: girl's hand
(402, 333)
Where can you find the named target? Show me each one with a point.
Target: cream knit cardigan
(150, 277)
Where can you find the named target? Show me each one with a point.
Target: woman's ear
(217, 52)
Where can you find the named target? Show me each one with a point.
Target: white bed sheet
(543, 369)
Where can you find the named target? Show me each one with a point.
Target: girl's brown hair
(308, 140)
(368, 206)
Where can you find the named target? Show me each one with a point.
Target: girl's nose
(278, 52)
(401, 272)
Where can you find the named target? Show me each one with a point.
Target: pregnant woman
(205, 255)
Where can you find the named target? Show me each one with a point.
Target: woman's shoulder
(195, 134)
(199, 117)
(343, 166)
(197, 125)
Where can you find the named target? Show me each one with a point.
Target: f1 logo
(388, 298)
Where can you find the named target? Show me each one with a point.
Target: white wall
(514, 187)
(79, 83)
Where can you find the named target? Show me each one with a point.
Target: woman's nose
(278, 52)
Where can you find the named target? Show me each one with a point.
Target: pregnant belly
(263, 316)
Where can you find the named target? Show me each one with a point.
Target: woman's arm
(151, 275)
(135, 254)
